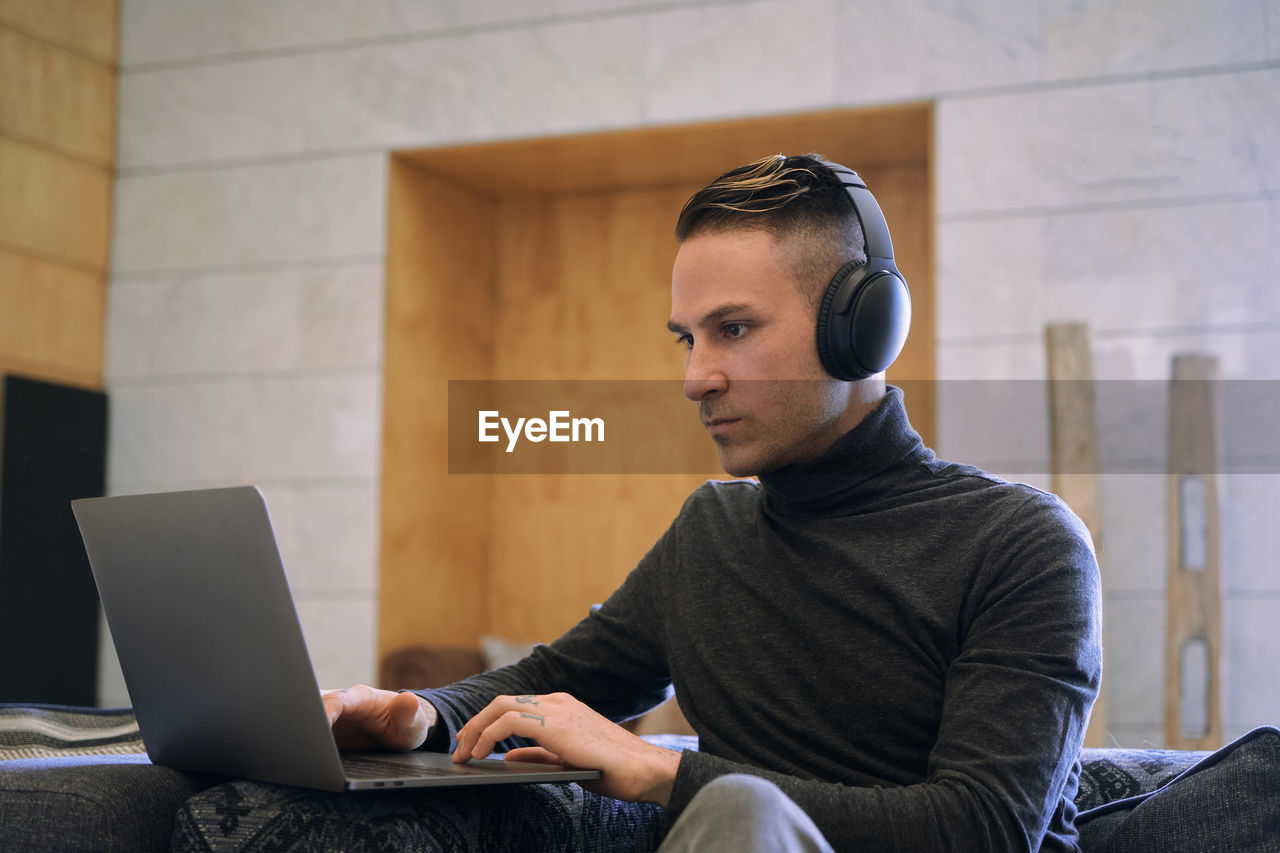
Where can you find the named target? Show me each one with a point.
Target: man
(904, 648)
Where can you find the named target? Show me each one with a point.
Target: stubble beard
(812, 417)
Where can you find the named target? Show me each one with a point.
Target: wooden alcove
(551, 259)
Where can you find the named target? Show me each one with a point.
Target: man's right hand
(364, 717)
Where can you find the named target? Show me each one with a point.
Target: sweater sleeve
(1003, 772)
(613, 661)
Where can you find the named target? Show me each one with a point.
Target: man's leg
(743, 813)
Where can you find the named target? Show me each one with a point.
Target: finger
(406, 722)
(524, 724)
(368, 705)
(401, 709)
(363, 717)
(469, 735)
(332, 705)
(347, 704)
(536, 755)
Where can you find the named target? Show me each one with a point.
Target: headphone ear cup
(863, 320)
(879, 320)
(832, 342)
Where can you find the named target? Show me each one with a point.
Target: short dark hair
(795, 199)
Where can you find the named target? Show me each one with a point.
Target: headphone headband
(875, 231)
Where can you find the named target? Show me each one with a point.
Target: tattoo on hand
(527, 700)
(541, 719)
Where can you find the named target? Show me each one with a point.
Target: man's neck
(864, 396)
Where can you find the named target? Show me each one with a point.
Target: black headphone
(866, 311)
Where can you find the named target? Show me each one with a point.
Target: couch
(76, 779)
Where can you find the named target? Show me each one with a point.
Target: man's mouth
(719, 426)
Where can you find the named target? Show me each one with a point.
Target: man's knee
(750, 795)
(742, 813)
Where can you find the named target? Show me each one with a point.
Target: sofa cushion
(1228, 801)
(75, 779)
(1108, 775)
(91, 802)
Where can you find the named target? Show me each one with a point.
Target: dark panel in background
(53, 450)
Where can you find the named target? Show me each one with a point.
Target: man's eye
(685, 341)
(734, 330)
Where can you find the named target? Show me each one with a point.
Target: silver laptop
(213, 656)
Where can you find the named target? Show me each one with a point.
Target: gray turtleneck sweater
(907, 647)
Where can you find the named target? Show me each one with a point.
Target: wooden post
(1192, 707)
(1073, 437)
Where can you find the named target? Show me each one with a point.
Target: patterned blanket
(47, 731)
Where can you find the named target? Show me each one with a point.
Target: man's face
(752, 365)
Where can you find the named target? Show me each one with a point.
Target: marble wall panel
(341, 637)
(1250, 536)
(1162, 267)
(1133, 655)
(1132, 556)
(1100, 38)
(305, 210)
(311, 428)
(990, 280)
(575, 77)
(569, 76)
(328, 537)
(1019, 358)
(1243, 352)
(777, 56)
(1129, 269)
(1273, 29)
(169, 31)
(1251, 694)
(1101, 145)
(911, 51)
(245, 322)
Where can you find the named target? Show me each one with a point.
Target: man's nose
(703, 377)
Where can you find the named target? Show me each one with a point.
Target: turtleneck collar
(848, 474)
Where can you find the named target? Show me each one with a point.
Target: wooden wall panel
(583, 293)
(90, 27)
(54, 207)
(52, 320)
(581, 247)
(55, 98)
(435, 555)
(57, 117)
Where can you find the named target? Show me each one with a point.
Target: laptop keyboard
(372, 768)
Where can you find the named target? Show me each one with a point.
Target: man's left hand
(571, 734)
